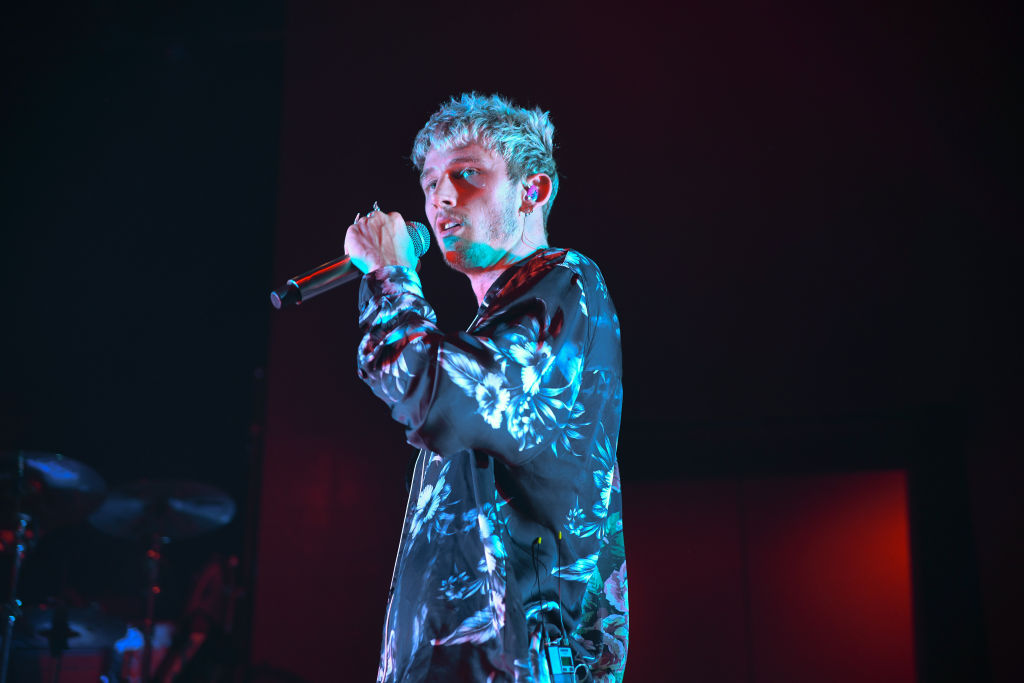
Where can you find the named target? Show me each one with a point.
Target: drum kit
(41, 492)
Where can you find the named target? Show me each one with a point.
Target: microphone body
(339, 271)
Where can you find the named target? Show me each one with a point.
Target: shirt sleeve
(506, 389)
(603, 630)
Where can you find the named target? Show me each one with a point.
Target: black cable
(558, 579)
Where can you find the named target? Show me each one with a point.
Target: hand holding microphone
(380, 239)
(373, 241)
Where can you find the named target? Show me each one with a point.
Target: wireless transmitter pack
(559, 656)
(560, 661)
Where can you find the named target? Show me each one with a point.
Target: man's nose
(444, 193)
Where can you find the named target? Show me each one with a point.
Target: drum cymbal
(75, 628)
(53, 489)
(167, 508)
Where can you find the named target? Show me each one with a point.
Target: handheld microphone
(339, 271)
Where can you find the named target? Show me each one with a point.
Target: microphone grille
(420, 236)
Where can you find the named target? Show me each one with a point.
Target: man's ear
(536, 191)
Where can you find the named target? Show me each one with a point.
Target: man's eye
(467, 172)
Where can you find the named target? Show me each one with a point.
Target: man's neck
(481, 280)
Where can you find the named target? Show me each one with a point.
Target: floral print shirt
(513, 530)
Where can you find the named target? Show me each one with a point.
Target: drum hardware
(163, 508)
(57, 627)
(202, 646)
(43, 491)
(12, 608)
(54, 490)
(39, 491)
(156, 512)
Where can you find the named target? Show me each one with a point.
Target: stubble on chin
(472, 257)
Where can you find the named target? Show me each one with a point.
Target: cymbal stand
(153, 590)
(57, 637)
(12, 610)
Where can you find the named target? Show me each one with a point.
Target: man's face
(471, 205)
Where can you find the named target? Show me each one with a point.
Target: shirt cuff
(389, 282)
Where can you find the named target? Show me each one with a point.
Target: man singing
(512, 542)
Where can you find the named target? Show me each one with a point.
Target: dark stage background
(807, 216)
